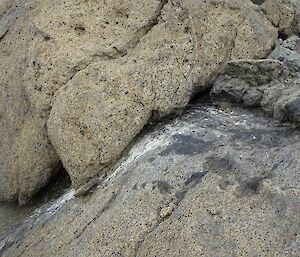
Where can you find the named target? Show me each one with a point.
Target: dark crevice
(258, 2)
(4, 33)
(54, 189)
(201, 97)
(282, 35)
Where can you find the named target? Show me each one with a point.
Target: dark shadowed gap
(201, 97)
(258, 2)
(54, 189)
(282, 35)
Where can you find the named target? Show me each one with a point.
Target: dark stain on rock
(223, 164)
(251, 186)
(187, 145)
(180, 194)
(270, 136)
(163, 186)
(151, 159)
(195, 179)
(137, 186)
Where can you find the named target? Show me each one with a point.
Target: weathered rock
(212, 183)
(42, 48)
(270, 84)
(227, 30)
(144, 47)
(243, 81)
(284, 14)
(88, 126)
(106, 105)
(288, 53)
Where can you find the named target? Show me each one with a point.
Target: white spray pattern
(40, 215)
(148, 143)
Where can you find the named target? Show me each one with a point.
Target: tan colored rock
(43, 45)
(144, 47)
(227, 30)
(155, 75)
(285, 15)
(106, 105)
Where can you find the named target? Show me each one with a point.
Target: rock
(243, 81)
(99, 112)
(288, 53)
(270, 84)
(105, 106)
(42, 48)
(152, 49)
(284, 14)
(210, 183)
(227, 30)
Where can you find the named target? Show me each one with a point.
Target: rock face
(99, 112)
(227, 30)
(91, 60)
(285, 15)
(212, 183)
(270, 84)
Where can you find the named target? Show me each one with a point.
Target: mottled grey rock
(211, 183)
(270, 84)
(244, 81)
(288, 53)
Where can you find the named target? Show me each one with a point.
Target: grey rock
(272, 85)
(288, 53)
(234, 192)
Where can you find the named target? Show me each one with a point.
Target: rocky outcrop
(285, 15)
(88, 60)
(212, 183)
(227, 30)
(270, 84)
(99, 112)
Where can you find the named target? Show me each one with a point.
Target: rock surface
(270, 84)
(284, 14)
(99, 112)
(151, 53)
(211, 183)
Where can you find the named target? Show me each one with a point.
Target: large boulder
(212, 183)
(43, 44)
(99, 112)
(161, 52)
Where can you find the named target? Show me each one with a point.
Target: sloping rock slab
(211, 183)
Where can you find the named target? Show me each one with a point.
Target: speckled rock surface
(99, 112)
(211, 183)
(43, 45)
(160, 51)
(284, 14)
(227, 30)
